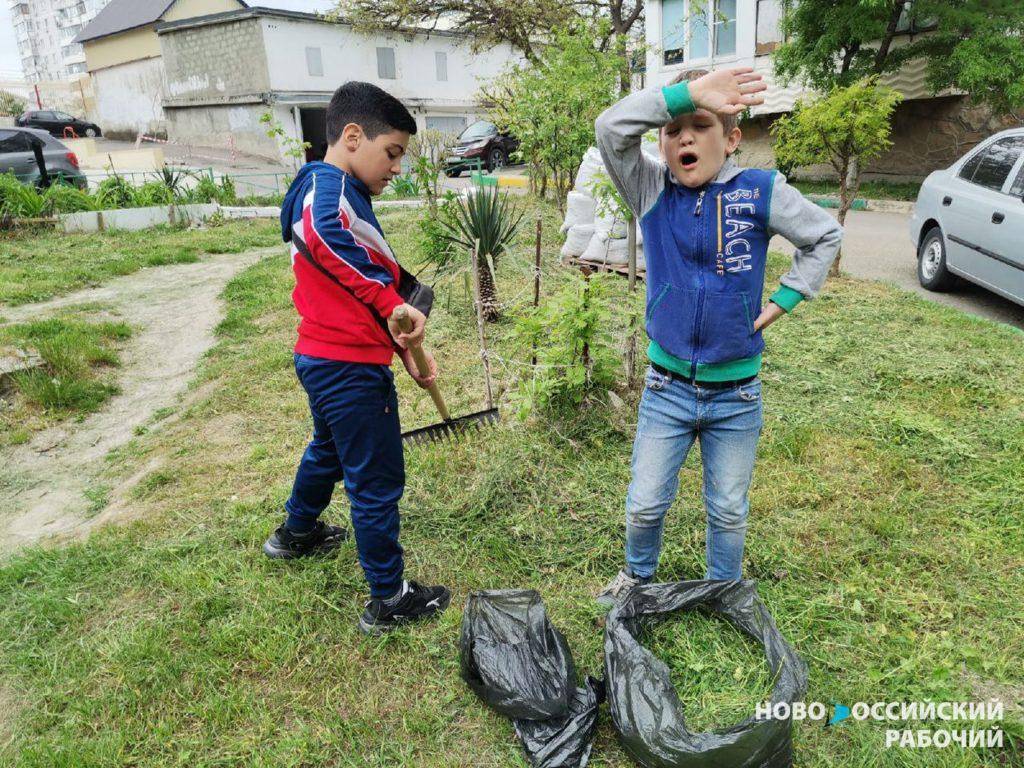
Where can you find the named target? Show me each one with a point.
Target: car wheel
(496, 160)
(931, 262)
(91, 133)
(453, 174)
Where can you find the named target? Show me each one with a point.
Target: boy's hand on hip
(415, 335)
(414, 371)
(728, 91)
(769, 315)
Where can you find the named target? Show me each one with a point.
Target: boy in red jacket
(346, 291)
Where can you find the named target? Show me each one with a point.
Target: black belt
(704, 384)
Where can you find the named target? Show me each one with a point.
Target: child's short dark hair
(371, 108)
(728, 121)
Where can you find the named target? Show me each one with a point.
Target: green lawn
(886, 536)
(76, 377)
(41, 263)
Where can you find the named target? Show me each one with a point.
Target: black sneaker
(417, 602)
(322, 540)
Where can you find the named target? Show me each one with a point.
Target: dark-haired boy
(346, 291)
(706, 225)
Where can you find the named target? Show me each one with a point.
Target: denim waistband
(704, 384)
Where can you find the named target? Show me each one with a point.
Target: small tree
(551, 106)
(426, 153)
(11, 105)
(845, 129)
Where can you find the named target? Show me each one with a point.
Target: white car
(969, 220)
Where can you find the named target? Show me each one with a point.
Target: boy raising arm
(706, 225)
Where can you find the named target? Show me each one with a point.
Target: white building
(45, 32)
(929, 131)
(226, 70)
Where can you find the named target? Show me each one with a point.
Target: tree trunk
(488, 291)
(849, 183)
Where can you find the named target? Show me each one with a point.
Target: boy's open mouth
(688, 160)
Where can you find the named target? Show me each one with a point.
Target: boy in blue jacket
(347, 284)
(706, 224)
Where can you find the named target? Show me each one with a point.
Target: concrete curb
(863, 204)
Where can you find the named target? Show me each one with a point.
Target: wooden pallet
(618, 269)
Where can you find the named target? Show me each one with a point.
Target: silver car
(969, 220)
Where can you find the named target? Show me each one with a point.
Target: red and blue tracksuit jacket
(328, 219)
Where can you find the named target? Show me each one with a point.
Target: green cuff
(786, 297)
(677, 98)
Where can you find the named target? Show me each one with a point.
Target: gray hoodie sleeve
(638, 176)
(816, 235)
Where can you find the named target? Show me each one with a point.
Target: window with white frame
(386, 63)
(314, 62)
(695, 31)
(441, 65)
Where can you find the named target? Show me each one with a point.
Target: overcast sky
(10, 61)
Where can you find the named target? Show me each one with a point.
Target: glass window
(968, 169)
(1017, 190)
(481, 129)
(725, 28)
(769, 22)
(386, 63)
(14, 141)
(314, 62)
(700, 33)
(673, 30)
(441, 64)
(996, 162)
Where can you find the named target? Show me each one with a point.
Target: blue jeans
(356, 438)
(673, 414)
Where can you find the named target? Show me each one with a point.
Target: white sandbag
(613, 253)
(577, 239)
(579, 209)
(590, 166)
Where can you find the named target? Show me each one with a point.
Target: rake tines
(452, 429)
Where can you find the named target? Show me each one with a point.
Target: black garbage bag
(645, 707)
(513, 658)
(564, 742)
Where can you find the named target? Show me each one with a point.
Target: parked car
(968, 221)
(22, 150)
(57, 123)
(480, 145)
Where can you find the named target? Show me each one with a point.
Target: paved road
(877, 247)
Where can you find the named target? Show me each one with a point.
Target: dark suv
(36, 157)
(480, 145)
(58, 123)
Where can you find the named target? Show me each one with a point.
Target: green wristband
(786, 297)
(678, 99)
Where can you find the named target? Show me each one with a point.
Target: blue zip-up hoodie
(706, 248)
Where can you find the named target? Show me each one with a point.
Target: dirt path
(173, 311)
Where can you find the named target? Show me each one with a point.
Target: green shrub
(19, 200)
(115, 192)
(63, 198)
(227, 193)
(153, 193)
(576, 355)
(206, 191)
(404, 186)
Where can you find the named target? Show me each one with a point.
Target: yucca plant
(487, 221)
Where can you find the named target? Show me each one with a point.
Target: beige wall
(142, 43)
(133, 45)
(188, 9)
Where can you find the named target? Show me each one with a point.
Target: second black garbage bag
(519, 664)
(645, 707)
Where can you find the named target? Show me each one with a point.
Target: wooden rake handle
(401, 316)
